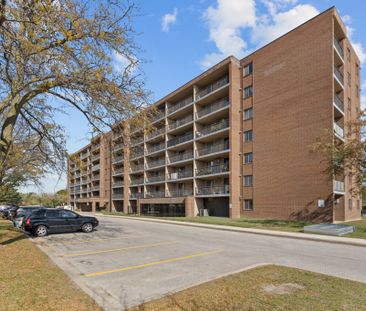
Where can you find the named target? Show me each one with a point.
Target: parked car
(8, 211)
(24, 211)
(45, 221)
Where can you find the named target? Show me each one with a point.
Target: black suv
(53, 220)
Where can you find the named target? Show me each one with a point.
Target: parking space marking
(117, 249)
(153, 263)
(98, 240)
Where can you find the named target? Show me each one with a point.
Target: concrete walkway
(285, 234)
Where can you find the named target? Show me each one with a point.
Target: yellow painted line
(98, 240)
(152, 263)
(116, 249)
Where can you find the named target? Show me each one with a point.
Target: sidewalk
(284, 234)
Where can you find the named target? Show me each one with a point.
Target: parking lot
(126, 262)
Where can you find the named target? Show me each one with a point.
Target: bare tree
(64, 50)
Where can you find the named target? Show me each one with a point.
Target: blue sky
(180, 39)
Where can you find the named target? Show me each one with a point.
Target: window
(349, 78)
(248, 205)
(53, 214)
(248, 69)
(357, 70)
(248, 114)
(248, 157)
(350, 204)
(349, 104)
(349, 54)
(248, 135)
(248, 180)
(68, 214)
(357, 91)
(248, 91)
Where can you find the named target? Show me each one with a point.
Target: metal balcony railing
(137, 168)
(84, 155)
(217, 147)
(117, 196)
(117, 147)
(117, 184)
(180, 139)
(136, 195)
(155, 178)
(214, 127)
(338, 186)
(117, 159)
(96, 146)
(157, 115)
(181, 157)
(137, 181)
(185, 102)
(156, 163)
(95, 177)
(214, 169)
(136, 153)
(180, 122)
(137, 141)
(339, 102)
(338, 47)
(213, 190)
(95, 167)
(338, 130)
(213, 87)
(95, 188)
(180, 175)
(118, 171)
(213, 107)
(155, 194)
(155, 148)
(95, 157)
(155, 132)
(180, 193)
(339, 75)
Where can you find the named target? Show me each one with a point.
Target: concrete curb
(282, 234)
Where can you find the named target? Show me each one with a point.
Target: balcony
(95, 177)
(96, 146)
(155, 178)
(155, 133)
(96, 167)
(183, 103)
(117, 184)
(214, 127)
(95, 157)
(213, 107)
(338, 47)
(180, 122)
(155, 194)
(213, 190)
(136, 195)
(339, 76)
(156, 163)
(180, 139)
(180, 175)
(338, 186)
(136, 153)
(84, 155)
(117, 172)
(95, 188)
(137, 181)
(118, 147)
(214, 148)
(338, 131)
(137, 141)
(118, 159)
(213, 87)
(117, 196)
(212, 170)
(157, 115)
(137, 168)
(156, 148)
(181, 157)
(339, 102)
(180, 193)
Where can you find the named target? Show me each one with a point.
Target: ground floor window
(248, 205)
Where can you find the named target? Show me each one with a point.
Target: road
(126, 262)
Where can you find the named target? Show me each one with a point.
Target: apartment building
(235, 141)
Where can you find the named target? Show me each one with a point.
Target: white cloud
(225, 22)
(360, 51)
(168, 20)
(122, 63)
(282, 22)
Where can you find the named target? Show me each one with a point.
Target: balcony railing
(338, 47)
(156, 163)
(338, 74)
(180, 175)
(84, 155)
(213, 107)
(137, 168)
(185, 102)
(214, 169)
(95, 157)
(117, 184)
(180, 139)
(212, 149)
(155, 194)
(338, 130)
(214, 127)
(95, 177)
(157, 115)
(136, 195)
(117, 159)
(118, 147)
(338, 186)
(155, 132)
(155, 148)
(137, 141)
(117, 196)
(137, 181)
(155, 178)
(95, 188)
(213, 87)
(181, 122)
(213, 190)
(118, 171)
(338, 102)
(181, 157)
(95, 167)
(96, 146)
(136, 153)
(180, 193)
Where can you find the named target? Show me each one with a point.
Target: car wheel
(41, 231)
(87, 227)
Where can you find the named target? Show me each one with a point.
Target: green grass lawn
(266, 289)
(113, 213)
(360, 228)
(30, 281)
